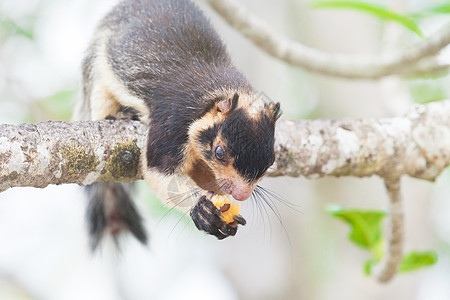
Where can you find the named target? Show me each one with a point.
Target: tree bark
(70, 152)
(416, 144)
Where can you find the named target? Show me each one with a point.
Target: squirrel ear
(273, 111)
(225, 106)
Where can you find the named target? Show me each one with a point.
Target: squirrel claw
(240, 220)
(207, 217)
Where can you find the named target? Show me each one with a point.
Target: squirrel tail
(112, 210)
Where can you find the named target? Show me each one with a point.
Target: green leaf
(426, 91)
(368, 265)
(12, 28)
(416, 260)
(366, 230)
(442, 8)
(375, 10)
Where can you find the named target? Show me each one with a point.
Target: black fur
(206, 138)
(234, 101)
(208, 135)
(120, 214)
(184, 60)
(274, 112)
(95, 213)
(250, 142)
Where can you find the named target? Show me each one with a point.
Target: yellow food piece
(227, 216)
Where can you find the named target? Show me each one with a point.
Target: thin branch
(347, 66)
(416, 144)
(426, 67)
(388, 267)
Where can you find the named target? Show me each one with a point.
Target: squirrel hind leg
(112, 211)
(125, 113)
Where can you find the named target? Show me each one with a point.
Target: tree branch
(416, 144)
(70, 152)
(388, 267)
(408, 62)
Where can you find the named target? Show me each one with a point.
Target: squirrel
(210, 132)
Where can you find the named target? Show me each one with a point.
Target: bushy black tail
(111, 210)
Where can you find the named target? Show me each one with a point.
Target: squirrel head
(235, 143)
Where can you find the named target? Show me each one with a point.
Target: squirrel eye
(220, 153)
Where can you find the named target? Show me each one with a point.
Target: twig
(388, 267)
(348, 66)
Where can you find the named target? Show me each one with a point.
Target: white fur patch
(178, 191)
(108, 93)
(254, 107)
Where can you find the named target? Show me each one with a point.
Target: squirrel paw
(209, 218)
(125, 113)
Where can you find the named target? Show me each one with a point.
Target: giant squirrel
(161, 61)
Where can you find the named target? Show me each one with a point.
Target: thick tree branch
(407, 62)
(416, 144)
(70, 152)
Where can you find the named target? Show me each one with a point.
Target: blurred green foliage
(58, 106)
(9, 28)
(432, 10)
(416, 260)
(379, 11)
(384, 13)
(427, 90)
(367, 232)
(15, 93)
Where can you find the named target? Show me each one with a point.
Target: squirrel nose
(241, 193)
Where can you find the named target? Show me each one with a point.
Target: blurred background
(302, 253)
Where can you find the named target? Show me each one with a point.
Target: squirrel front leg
(181, 192)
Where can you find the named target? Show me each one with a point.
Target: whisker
(206, 185)
(181, 197)
(261, 197)
(192, 192)
(176, 200)
(279, 198)
(171, 209)
(260, 208)
(183, 216)
(220, 187)
(253, 201)
(267, 198)
(174, 203)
